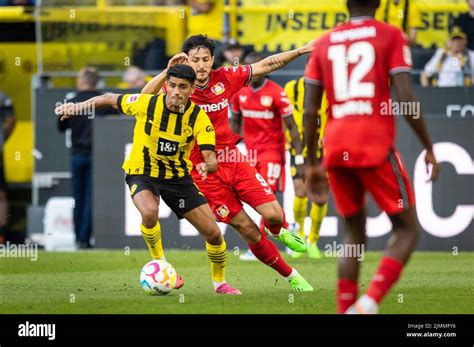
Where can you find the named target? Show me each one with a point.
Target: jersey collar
(361, 18)
(207, 83)
(261, 87)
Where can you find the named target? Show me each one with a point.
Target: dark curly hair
(198, 41)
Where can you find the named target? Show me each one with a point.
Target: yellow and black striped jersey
(162, 139)
(295, 91)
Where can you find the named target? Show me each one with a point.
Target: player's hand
(432, 163)
(307, 48)
(202, 170)
(180, 58)
(300, 171)
(66, 111)
(317, 185)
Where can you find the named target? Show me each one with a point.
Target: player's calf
(247, 229)
(202, 219)
(405, 235)
(150, 226)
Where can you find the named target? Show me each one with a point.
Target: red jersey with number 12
(353, 62)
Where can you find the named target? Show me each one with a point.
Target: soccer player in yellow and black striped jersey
(295, 91)
(167, 128)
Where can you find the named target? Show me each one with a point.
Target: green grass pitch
(107, 282)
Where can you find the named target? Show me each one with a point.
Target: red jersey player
(354, 63)
(264, 107)
(236, 180)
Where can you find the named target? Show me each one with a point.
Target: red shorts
(271, 165)
(232, 183)
(388, 184)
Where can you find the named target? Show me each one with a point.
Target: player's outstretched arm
(316, 180)
(155, 84)
(405, 93)
(277, 61)
(70, 110)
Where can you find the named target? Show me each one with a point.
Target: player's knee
(323, 200)
(352, 236)
(300, 191)
(413, 233)
(406, 226)
(300, 194)
(214, 237)
(149, 216)
(274, 214)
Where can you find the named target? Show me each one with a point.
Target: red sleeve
(283, 104)
(235, 103)
(399, 55)
(238, 76)
(313, 73)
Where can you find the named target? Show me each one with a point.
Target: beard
(202, 80)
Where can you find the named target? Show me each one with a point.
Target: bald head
(135, 77)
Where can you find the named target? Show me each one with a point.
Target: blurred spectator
(134, 78)
(232, 53)
(207, 18)
(403, 14)
(465, 21)
(7, 119)
(452, 66)
(81, 154)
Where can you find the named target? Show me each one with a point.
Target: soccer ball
(158, 277)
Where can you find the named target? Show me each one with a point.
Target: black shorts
(181, 195)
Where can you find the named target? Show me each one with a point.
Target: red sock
(387, 274)
(346, 294)
(267, 253)
(274, 228)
